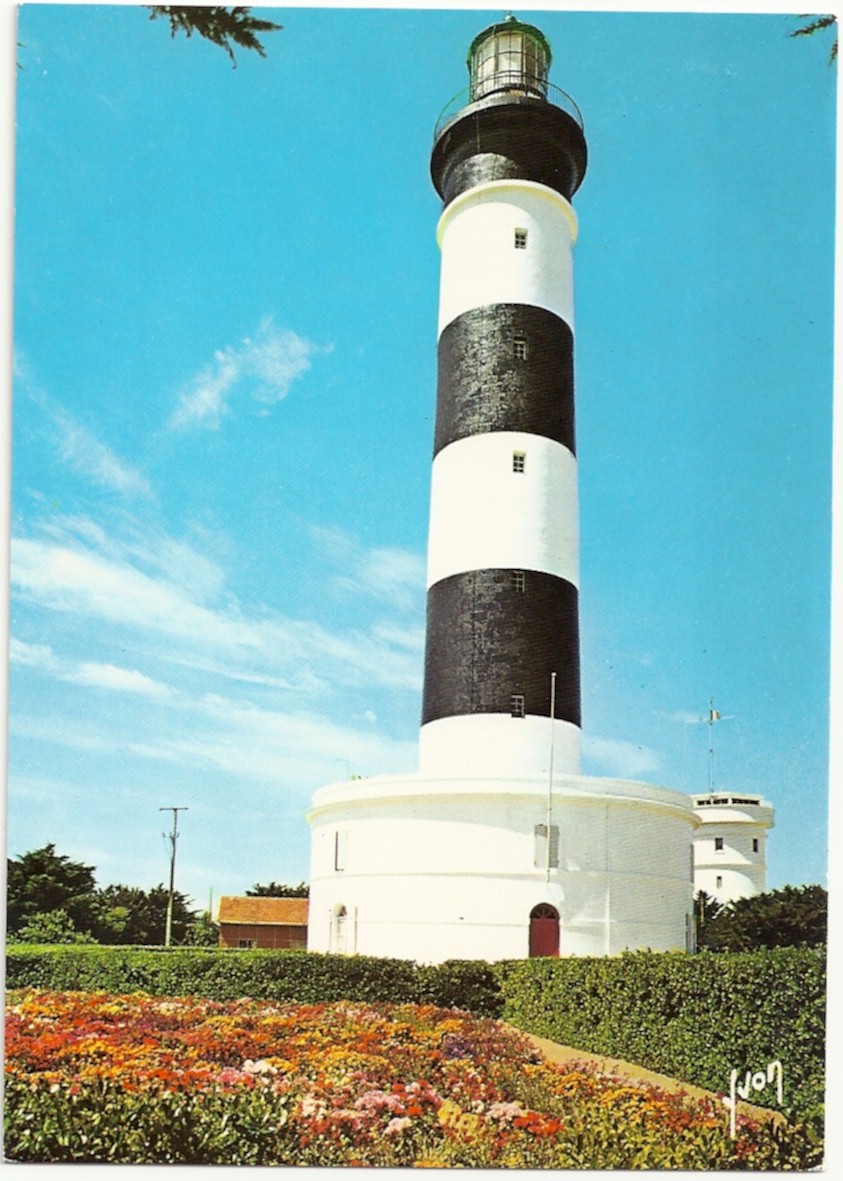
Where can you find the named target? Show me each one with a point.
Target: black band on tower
(504, 137)
(496, 634)
(506, 367)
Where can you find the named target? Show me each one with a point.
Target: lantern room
(509, 56)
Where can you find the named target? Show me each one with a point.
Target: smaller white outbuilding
(730, 858)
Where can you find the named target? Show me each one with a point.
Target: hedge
(695, 1018)
(228, 973)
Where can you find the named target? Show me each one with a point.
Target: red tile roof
(278, 912)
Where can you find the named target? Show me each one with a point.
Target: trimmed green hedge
(228, 973)
(691, 1017)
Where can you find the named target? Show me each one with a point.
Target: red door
(544, 930)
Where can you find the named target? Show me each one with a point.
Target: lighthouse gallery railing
(514, 87)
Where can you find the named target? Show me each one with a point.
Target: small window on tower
(340, 849)
(719, 881)
(520, 239)
(519, 580)
(519, 347)
(718, 844)
(516, 707)
(542, 856)
(755, 844)
(518, 460)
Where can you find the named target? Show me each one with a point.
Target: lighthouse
(498, 847)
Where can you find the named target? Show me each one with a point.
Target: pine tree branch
(221, 26)
(816, 24)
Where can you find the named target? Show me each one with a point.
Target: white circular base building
(446, 868)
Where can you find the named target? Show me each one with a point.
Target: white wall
(742, 870)
(479, 263)
(437, 869)
(498, 745)
(483, 515)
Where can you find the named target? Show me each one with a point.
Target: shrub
(461, 984)
(692, 1017)
(215, 973)
(227, 973)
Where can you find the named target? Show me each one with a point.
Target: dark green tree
(815, 24)
(706, 910)
(54, 926)
(43, 881)
(222, 26)
(129, 915)
(276, 890)
(204, 932)
(795, 916)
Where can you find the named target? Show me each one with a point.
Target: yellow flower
(448, 1113)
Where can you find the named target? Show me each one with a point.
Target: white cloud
(279, 746)
(65, 573)
(263, 366)
(80, 734)
(78, 448)
(287, 749)
(124, 680)
(615, 756)
(91, 673)
(90, 458)
(33, 655)
(411, 638)
(393, 576)
(684, 716)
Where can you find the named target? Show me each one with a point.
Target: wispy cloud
(124, 680)
(684, 716)
(80, 449)
(91, 673)
(89, 457)
(263, 367)
(615, 756)
(393, 576)
(68, 571)
(230, 735)
(32, 655)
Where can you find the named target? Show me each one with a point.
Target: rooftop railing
(516, 86)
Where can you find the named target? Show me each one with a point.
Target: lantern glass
(509, 58)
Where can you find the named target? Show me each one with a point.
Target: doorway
(544, 930)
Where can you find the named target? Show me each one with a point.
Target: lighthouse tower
(502, 677)
(498, 847)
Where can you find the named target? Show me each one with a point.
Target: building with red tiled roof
(263, 922)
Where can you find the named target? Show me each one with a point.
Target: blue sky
(225, 365)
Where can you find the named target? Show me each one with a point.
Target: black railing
(516, 86)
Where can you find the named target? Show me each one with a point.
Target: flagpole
(549, 816)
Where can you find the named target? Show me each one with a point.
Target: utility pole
(173, 838)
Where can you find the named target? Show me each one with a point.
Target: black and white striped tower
(502, 647)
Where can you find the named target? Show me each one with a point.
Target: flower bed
(95, 1077)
